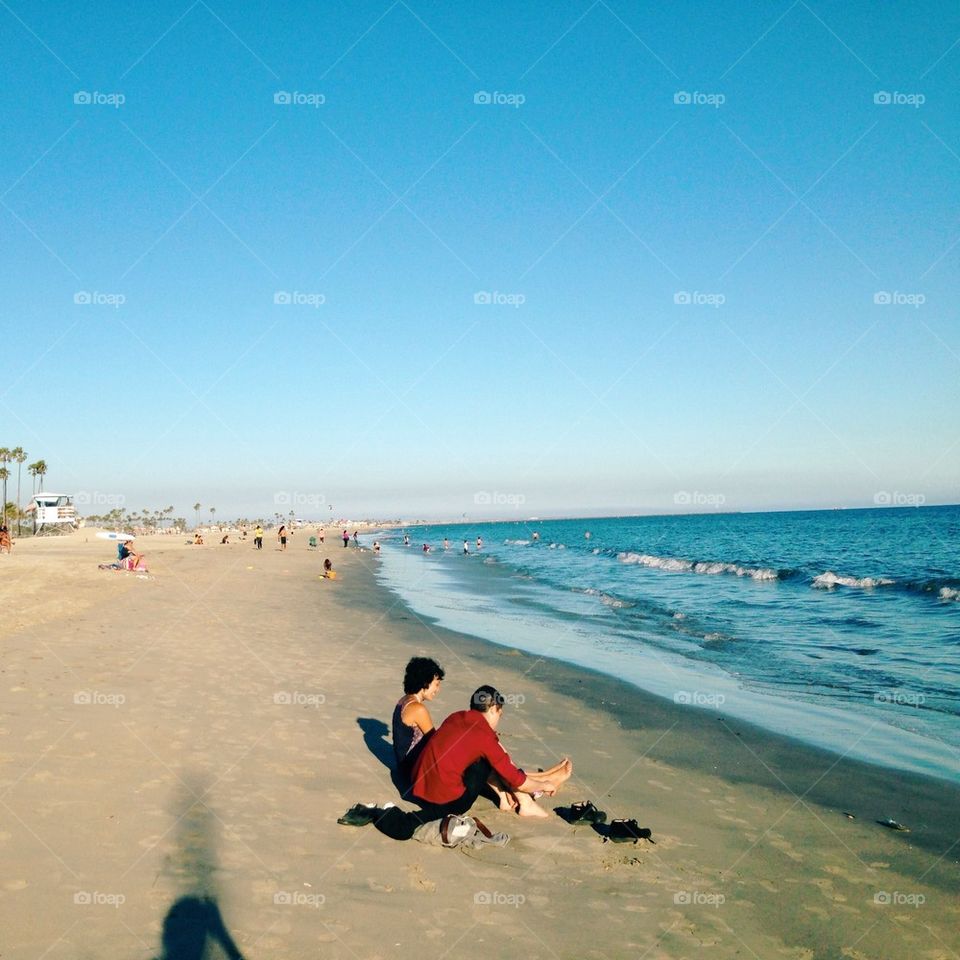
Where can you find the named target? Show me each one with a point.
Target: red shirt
(462, 739)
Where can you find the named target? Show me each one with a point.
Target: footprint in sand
(418, 881)
(379, 887)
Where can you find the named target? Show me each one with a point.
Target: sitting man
(463, 757)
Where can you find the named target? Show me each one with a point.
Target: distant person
(129, 558)
(5, 541)
(346, 539)
(376, 546)
(426, 548)
(258, 537)
(536, 536)
(412, 724)
(356, 539)
(198, 539)
(466, 548)
(446, 544)
(406, 540)
(320, 534)
(282, 537)
(225, 539)
(479, 543)
(328, 572)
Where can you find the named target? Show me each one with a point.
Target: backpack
(454, 831)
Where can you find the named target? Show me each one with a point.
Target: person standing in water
(346, 539)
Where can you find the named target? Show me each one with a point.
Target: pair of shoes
(627, 831)
(359, 815)
(582, 812)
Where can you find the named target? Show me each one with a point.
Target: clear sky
(677, 254)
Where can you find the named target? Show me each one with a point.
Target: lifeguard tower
(53, 513)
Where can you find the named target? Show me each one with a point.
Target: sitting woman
(328, 572)
(412, 723)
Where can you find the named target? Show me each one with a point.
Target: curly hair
(420, 673)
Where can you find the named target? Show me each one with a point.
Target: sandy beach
(195, 733)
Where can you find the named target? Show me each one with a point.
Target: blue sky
(682, 226)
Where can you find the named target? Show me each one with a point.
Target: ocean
(839, 628)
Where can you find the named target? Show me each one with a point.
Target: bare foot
(528, 807)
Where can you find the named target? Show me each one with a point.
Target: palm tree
(6, 455)
(213, 510)
(4, 473)
(196, 507)
(40, 470)
(19, 454)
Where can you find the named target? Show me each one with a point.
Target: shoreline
(255, 702)
(746, 752)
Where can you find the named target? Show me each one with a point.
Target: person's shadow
(189, 924)
(375, 739)
(193, 922)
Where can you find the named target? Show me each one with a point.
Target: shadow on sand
(193, 923)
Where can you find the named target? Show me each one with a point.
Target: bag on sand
(454, 831)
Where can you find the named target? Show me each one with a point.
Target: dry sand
(197, 733)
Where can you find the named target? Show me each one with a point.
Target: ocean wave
(949, 593)
(517, 543)
(607, 599)
(708, 567)
(829, 580)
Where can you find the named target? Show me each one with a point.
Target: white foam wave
(517, 543)
(676, 565)
(829, 580)
(949, 593)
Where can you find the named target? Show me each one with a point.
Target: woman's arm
(415, 714)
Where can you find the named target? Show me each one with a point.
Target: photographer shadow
(194, 927)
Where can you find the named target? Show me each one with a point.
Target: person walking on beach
(282, 536)
(320, 534)
(5, 542)
(356, 540)
(460, 759)
(258, 537)
(346, 539)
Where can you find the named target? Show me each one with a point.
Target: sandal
(582, 812)
(627, 831)
(359, 815)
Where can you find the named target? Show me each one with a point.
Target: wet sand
(189, 738)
